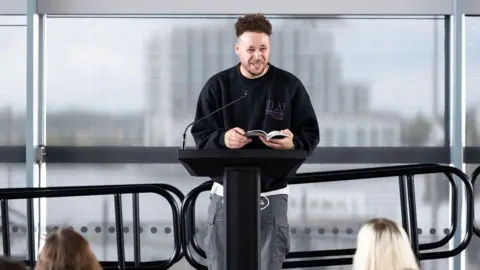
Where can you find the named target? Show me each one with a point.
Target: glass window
(473, 247)
(342, 137)
(328, 137)
(361, 137)
(136, 81)
(13, 20)
(472, 71)
(374, 140)
(12, 80)
(472, 127)
(12, 121)
(13, 176)
(388, 136)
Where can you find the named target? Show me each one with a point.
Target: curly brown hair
(253, 23)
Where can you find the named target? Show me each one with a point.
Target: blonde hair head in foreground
(383, 245)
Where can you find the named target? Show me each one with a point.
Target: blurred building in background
(181, 61)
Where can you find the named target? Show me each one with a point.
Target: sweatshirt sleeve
(304, 121)
(208, 133)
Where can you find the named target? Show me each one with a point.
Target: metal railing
(184, 223)
(408, 207)
(474, 178)
(117, 191)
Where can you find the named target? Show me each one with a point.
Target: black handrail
(117, 191)
(355, 174)
(406, 170)
(475, 176)
(381, 172)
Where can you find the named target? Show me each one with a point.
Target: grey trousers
(274, 232)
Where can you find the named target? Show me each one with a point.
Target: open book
(275, 134)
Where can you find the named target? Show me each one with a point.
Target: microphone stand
(184, 138)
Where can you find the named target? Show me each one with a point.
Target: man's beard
(252, 71)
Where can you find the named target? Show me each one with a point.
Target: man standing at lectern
(276, 100)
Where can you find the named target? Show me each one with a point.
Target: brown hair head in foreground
(66, 249)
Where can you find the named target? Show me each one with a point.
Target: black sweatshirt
(276, 101)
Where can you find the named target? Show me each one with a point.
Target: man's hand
(235, 138)
(281, 144)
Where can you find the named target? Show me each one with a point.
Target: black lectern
(242, 170)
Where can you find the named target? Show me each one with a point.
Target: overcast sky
(100, 64)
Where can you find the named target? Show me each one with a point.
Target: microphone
(208, 115)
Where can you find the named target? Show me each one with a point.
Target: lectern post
(241, 170)
(242, 217)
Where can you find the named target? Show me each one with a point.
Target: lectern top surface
(241, 153)
(212, 163)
